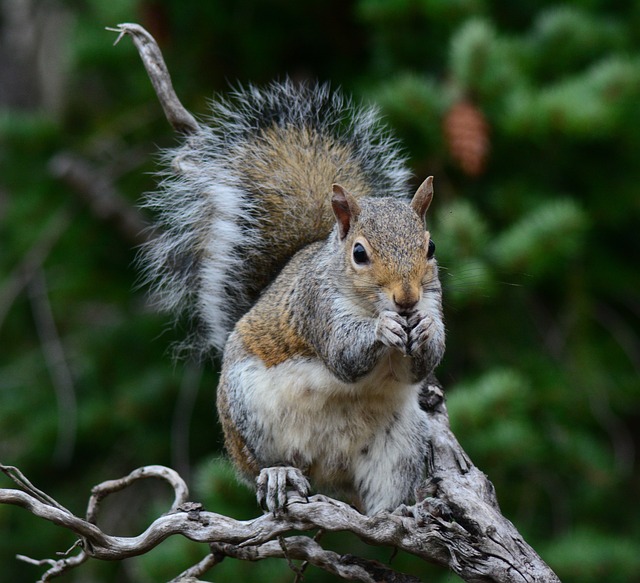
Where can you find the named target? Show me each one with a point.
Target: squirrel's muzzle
(405, 300)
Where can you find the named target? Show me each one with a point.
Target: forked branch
(457, 523)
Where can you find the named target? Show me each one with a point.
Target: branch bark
(456, 523)
(179, 118)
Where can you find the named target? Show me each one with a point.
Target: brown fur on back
(294, 169)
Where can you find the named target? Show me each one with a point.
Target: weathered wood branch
(460, 502)
(456, 523)
(179, 118)
(303, 548)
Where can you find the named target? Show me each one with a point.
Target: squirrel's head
(387, 249)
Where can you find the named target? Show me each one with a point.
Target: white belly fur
(308, 415)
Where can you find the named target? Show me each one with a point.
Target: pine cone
(466, 132)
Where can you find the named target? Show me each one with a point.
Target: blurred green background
(528, 115)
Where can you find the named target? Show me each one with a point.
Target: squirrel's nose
(404, 304)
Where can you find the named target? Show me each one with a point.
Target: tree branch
(179, 118)
(347, 567)
(456, 523)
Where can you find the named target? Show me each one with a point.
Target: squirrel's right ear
(422, 197)
(345, 208)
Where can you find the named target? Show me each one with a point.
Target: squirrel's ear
(422, 198)
(345, 208)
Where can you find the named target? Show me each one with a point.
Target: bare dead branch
(179, 118)
(300, 574)
(57, 567)
(456, 523)
(303, 548)
(20, 479)
(101, 491)
(460, 501)
(206, 564)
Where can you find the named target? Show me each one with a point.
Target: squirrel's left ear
(345, 208)
(422, 198)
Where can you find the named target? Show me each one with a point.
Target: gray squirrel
(288, 238)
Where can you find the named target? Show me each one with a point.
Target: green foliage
(537, 253)
(484, 63)
(566, 39)
(604, 93)
(415, 105)
(542, 238)
(586, 555)
(500, 393)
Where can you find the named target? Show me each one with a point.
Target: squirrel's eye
(431, 250)
(360, 256)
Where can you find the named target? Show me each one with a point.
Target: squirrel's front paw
(273, 485)
(391, 330)
(424, 328)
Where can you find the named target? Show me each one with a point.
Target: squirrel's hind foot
(274, 486)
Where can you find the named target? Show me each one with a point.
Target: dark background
(528, 116)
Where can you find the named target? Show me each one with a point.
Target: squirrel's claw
(391, 330)
(420, 324)
(273, 486)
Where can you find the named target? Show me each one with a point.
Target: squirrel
(288, 238)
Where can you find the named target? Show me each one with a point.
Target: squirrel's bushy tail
(250, 188)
